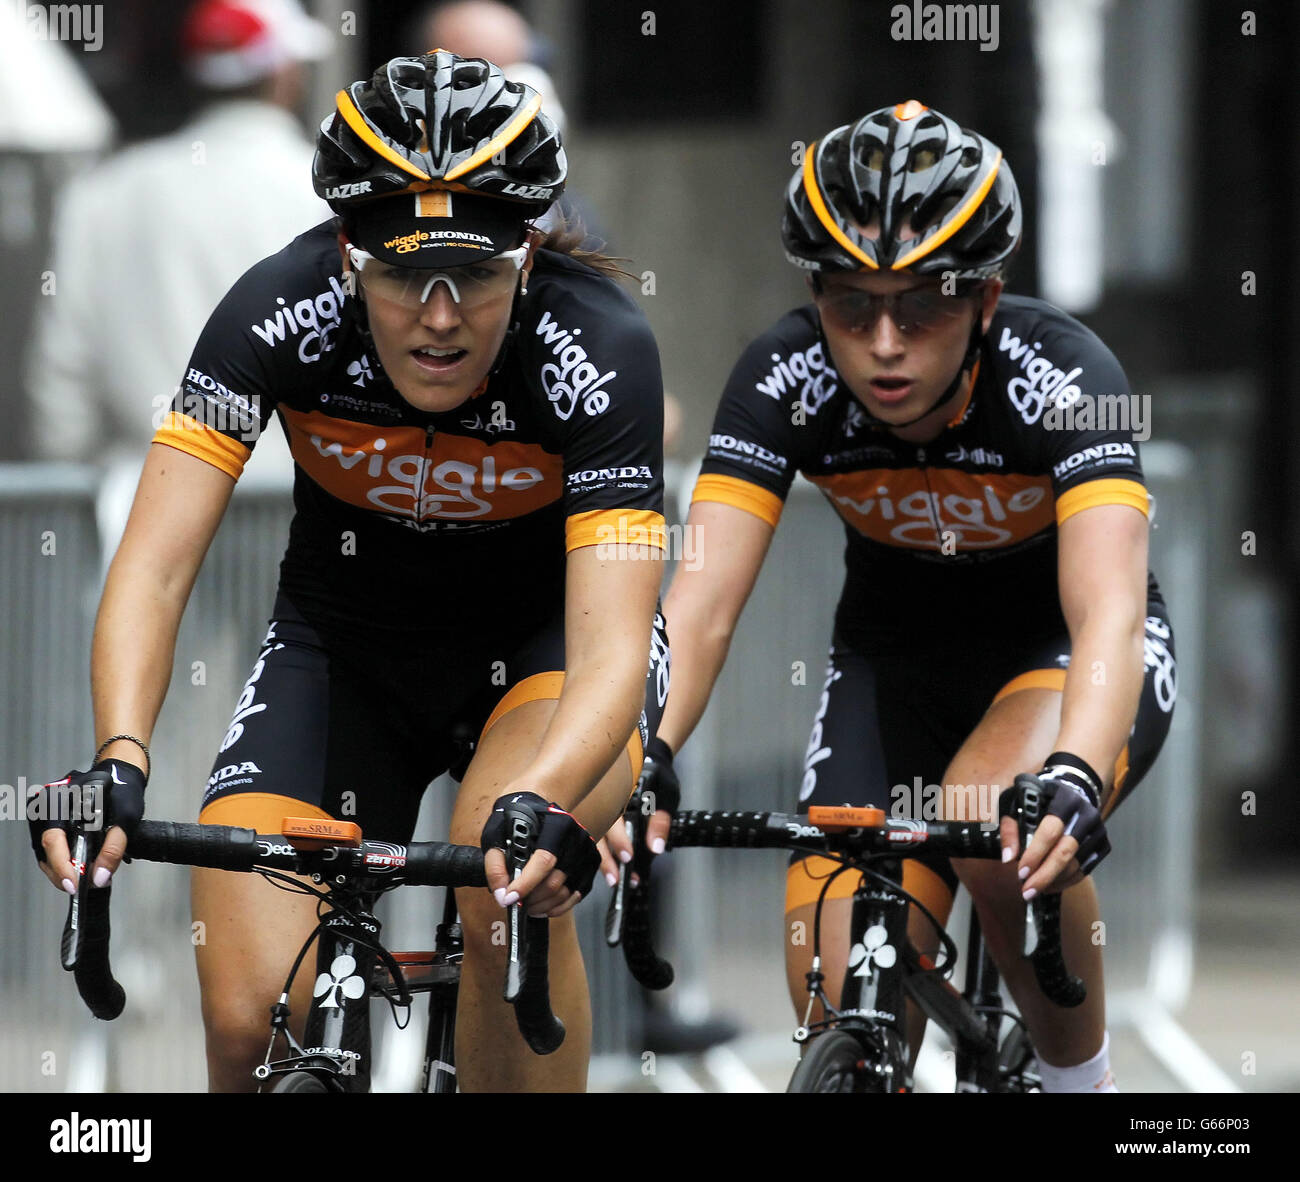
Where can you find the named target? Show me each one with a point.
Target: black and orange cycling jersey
(950, 601)
(956, 536)
(408, 521)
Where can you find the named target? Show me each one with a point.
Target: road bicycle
(352, 965)
(861, 1045)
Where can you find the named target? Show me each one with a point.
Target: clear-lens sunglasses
(470, 284)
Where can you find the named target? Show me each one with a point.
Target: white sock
(1092, 1076)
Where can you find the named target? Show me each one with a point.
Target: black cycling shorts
(888, 727)
(358, 735)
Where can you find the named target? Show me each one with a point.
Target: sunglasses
(470, 284)
(915, 311)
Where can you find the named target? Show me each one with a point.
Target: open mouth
(891, 389)
(440, 361)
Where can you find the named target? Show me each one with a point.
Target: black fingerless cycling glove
(1073, 793)
(559, 833)
(110, 793)
(658, 779)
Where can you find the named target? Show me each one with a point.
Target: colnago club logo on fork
(872, 953)
(340, 978)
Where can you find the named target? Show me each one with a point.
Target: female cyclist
(476, 420)
(997, 613)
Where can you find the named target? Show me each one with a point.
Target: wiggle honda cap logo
(405, 243)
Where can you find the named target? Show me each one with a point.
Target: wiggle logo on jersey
(456, 478)
(320, 315)
(923, 510)
(807, 370)
(1042, 380)
(572, 378)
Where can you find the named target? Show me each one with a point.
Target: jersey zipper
(424, 469)
(930, 499)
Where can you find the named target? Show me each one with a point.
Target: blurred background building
(1156, 144)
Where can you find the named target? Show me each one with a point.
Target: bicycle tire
(299, 1081)
(830, 1064)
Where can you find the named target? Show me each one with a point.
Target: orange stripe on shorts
(261, 811)
(547, 686)
(805, 879)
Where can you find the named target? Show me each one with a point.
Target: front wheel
(299, 1081)
(834, 1062)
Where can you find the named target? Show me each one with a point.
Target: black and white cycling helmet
(439, 122)
(903, 189)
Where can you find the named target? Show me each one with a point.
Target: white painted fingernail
(625, 856)
(1029, 894)
(500, 896)
(612, 879)
(1007, 855)
(511, 899)
(1023, 873)
(657, 845)
(67, 886)
(102, 876)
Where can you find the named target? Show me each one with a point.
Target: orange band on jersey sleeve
(199, 440)
(615, 527)
(261, 811)
(1101, 492)
(742, 494)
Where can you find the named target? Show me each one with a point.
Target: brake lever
(1029, 814)
(521, 833)
(617, 910)
(83, 853)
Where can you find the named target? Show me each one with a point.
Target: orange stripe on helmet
(355, 120)
(823, 214)
(498, 141)
(960, 218)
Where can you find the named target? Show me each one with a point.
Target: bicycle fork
(872, 992)
(337, 1035)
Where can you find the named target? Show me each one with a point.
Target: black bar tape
(541, 1029)
(219, 847)
(104, 997)
(1058, 984)
(643, 962)
(438, 863)
(700, 828)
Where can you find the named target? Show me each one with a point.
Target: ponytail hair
(566, 237)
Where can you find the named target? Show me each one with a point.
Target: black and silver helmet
(903, 189)
(439, 122)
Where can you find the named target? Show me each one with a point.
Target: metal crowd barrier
(51, 561)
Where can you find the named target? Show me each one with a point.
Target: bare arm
(608, 614)
(704, 605)
(1102, 570)
(178, 505)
